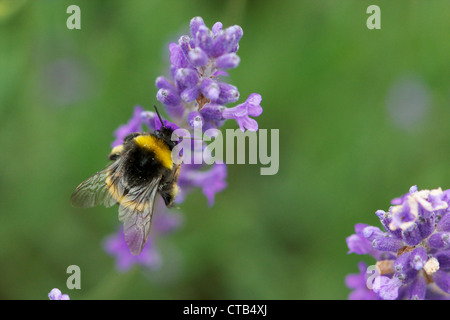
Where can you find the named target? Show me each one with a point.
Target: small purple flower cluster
(194, 97)
(412, 250)
(56, 294)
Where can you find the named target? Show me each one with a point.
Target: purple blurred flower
(163, 222)
(133, 125)
(210, 181)
(116, 246)
(414, 243)
(56, 294)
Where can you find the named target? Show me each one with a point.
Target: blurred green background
(363, 115)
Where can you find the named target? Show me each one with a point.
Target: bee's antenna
(159, 116)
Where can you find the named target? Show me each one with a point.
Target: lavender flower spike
(412, 250)
(197, 62)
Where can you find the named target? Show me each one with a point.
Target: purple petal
(198, 57)
(186, 78)
(418, 258)
(359, 228)
(401, 216)
(387, 288)
(210, 89)
(233, 34)
(247, 123)
(254, 110)
(387, 244)
(195, 119)
(443, 258)
(442, 280)
(412, 235)
(444, 223)
(163, 83)
(203, 39)
(386, 219)
(241, 113)
(195, 25)
(190, 94)
(228, 61)
(440, 240)
(228, 93)
(418, 289)
(226, 41)
(370, 233)
(184, 44)
(358, 244)
(168, 97)
(212, 112)
(426, 226)
(177, 57)
(401, 264)
(220, 73)
(217, 27)
(254, 99)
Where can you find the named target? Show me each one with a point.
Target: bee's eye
(173, 143)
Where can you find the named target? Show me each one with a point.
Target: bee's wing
(135, 212)
(93, 191)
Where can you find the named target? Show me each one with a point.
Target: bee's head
(165, 132)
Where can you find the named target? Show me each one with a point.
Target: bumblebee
(140, 168)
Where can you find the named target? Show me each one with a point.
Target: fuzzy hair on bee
(140, 168)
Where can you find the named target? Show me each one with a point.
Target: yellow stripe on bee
(158, 147)
(123, 200)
